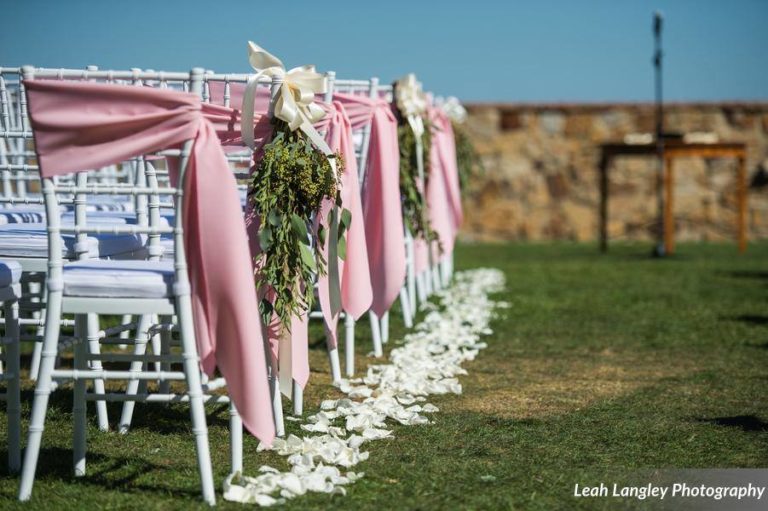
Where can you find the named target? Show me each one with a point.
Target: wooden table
(676, 149)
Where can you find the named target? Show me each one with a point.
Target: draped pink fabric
(445, 143)
(443, 196)
(81, 126)
(226, 119)
(382, 210)
(354, 272)
(356, 293)
(442, 191)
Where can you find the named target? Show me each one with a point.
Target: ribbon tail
(319, 142)
(285, 363)
(246, 110)
(334, 281)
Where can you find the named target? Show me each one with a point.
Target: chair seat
(24, 215)
(169, 249)
(31, 214)
(10, 272)
(110, 203)
(94, 203)
(119, 279)
(115, 217)
(31, 240)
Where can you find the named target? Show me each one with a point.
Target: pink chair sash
(445, 142)
(81, 126)
(356, 291)
(382, 208)
(443, 195)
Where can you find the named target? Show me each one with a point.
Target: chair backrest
(80, 189)
(219, 89)
(16, 155)
(19, 176)
(369, 88)
(124, 179)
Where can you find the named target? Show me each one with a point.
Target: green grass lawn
(604, 365)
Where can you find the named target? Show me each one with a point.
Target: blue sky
(546, 50)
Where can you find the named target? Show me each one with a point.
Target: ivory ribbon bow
(454, 109)
(293, 102)
(411, 102)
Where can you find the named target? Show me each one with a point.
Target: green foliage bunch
(469, 162)
(414, 201)
(288, 186)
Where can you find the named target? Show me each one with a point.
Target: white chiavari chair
(410, 287)
(361, 139)
(408, 293)
(144, 287)
(237, 160)
(28, 241)
(10, 367)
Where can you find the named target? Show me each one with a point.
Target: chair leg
(411, 283)
(195, 392)
(235, 439)
(405, 305)
(385, 328)
(297, 398)
(421, 287)
(349, 344)
(165, 349)
(277, 405)
(34, 369)
(13, 367)
(375, 334)
(140, 348)
(42, 393)
(94, 348)
(437, 281)
(78, 402)
(445, 270)
(127, 318)
(333, 359)
(157, 348)
(156, 345)
(426, 277)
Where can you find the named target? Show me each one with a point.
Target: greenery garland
(288, 186)
(414, 203)
(468, 160)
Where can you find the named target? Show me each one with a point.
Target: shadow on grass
(748, 423)
(164, 419)
(752, 319)
(746, 274)
(119, 473)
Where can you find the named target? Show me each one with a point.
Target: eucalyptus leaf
(321, 235)
(346, 218)
(265, 238)
(300, 228)
(307, 258)
(273, 218)
(266, 310)
(342, 248)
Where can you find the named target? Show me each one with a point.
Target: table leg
(741, 203)
(603, 212)
(669, 219)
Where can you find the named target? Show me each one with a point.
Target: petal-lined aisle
(429, 362)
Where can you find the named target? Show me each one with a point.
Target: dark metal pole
(657, 21)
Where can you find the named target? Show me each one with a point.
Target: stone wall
(541, 179)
